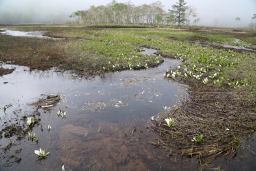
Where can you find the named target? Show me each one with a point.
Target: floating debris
(48, 101)
(119, 104)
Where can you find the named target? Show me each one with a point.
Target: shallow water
(100, 112)
(226, 46)
(31, 34)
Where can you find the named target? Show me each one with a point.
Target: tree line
(127, 13)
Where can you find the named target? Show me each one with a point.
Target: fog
(211, 12)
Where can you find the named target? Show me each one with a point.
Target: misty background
(220, 13)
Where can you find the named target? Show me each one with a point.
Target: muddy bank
(5, 71)
(26, 49)
(206, 42)
(212, 122)
(13, 130)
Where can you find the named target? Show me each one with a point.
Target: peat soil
(4, 71)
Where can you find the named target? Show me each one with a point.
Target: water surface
(101, 114)
(31, 34)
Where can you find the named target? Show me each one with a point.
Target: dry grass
(4, 71)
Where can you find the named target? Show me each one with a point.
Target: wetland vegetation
(94, 72)
(221, 103)
(143, 85)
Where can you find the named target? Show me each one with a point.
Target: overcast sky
(211, 12)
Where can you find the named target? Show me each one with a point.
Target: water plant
(4, 108)
(41, 153)
(152, 118)
(198, 138)
(49, 127)
(63, 167)
(30, 121)
(61, 114)
(169, 122)
(99, 129)
(32, 137)
(206, 80)
(133, 130)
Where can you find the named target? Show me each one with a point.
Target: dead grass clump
(47, 101)
(217, 113)
(4, 71)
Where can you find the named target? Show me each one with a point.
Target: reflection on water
(101, 114)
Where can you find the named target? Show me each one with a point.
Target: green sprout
(32, 137)
(4, 108)
(198, 138)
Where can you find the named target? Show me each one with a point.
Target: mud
(221, 114)
(5, 71)
(206, 42)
